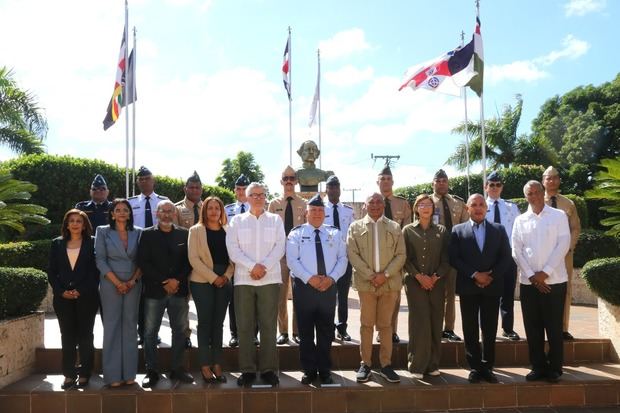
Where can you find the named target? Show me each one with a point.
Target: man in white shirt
(503, 212)
(540, 240)
(255, 243)
(144, 206)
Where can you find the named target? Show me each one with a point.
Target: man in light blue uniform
(504, 212)
(317, 257)
(340, 216)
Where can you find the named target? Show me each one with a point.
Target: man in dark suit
(480, 253)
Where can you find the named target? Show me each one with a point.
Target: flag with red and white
(116, 103)
(286, 68)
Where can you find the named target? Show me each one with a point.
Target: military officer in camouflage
(450, 210)
(551, 182)
(97, 206)
(397, 209)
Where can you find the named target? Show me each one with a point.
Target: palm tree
(607, 188)
(14, 213)
(22, 125)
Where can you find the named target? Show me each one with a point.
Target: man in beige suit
(292, 209)
(376, 250)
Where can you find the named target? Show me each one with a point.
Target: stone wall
(19, 339)
(609, 325)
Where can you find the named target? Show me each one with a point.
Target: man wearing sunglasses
(503, 212)
(97, 206)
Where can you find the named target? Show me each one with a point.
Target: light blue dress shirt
(479, 232)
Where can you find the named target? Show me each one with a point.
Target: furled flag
(115, 105)
(476, 82)
(445, 74)
(315, 101)
(131, 94)
(286, 70)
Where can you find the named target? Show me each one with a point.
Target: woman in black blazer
(74, 277)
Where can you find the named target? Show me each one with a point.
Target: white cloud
(573, 49)
(348, 75)
(583, 7)
(343, 44)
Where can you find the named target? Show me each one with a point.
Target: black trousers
(507, 300)
(343, 285)
(543, 313)
(315, 311)
(76, 319)
(479, 314)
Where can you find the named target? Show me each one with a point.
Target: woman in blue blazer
(74, 278)
(116, 246)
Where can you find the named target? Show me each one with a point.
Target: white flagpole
(318, 83)
(133, 113)
(484, 152)
(466, 123)
(290, 105)
(127, 108)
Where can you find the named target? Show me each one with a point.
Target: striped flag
(131, 94)
(476, 82)
(115, 105)
(286, 70)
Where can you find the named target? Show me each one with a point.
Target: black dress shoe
(553, 376)
(182, 376)
(188, 343)
(271, 378)
(158, 340)
(326, 378)
(256, 342)
(246, 379)
(489, 376)
(233, 342)
(511, 335)
(474, 377)
(282, 339)
(343, 335)
(450, 335)
(395, 338)
(140, 341)
(83, 382)
(308, 378)
(69, 383)
(567, 336)
(150, 380)
(535, 375)
(296, 338)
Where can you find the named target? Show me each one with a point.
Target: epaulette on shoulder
(400, 197)
(178, 203)
(162, 197)
(133, 197)
(457, 197)
(294, 228)
(229, 205)
(347, 206)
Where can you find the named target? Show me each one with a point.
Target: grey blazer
(111, 255)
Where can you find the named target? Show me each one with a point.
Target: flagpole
(127, 111)
(133, 122)
(466, 124)
(318, 80)
(290, 98)
(482, 135)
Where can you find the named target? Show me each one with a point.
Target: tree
(245, 164)
(22, 125)
(14, 213)
(607, 188)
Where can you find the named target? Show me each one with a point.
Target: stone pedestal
(19, 339)
(609, 325)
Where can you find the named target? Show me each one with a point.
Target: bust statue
(309, 175)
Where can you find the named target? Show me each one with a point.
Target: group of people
(148, 254)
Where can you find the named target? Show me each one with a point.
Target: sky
(209, 77)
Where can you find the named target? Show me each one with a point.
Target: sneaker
(389, 374)
(363, 374)
(434, 373)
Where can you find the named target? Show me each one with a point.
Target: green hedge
(33, 254)
(603, 277)
(21, 291)
(593, 245)
(64, 180)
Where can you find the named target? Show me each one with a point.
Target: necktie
(478, 236)
(388, 209)
(288, 216)
(496, 218)
(554, 202)
(320, 259)
(336, 217)
(195, 213)
(446, 214)
(242, 208)
(148, 216)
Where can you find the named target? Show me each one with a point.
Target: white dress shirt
(252, 240)
(539, 243)
(138, 203)
(235, 209)
(345, 215)
(508, 212)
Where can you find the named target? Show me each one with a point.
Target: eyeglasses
(289, 178)
(495, 184)
(425, 206)
(166, 211)
(257, 196)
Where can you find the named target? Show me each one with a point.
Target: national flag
(286, 69)
(315, 101)
(115, 105)
(446, 74)
(131, 94)
(476, 82)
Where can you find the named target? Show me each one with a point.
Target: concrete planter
(19, 339)
(609, 325)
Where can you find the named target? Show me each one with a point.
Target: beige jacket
(392, 253)
(200, 257)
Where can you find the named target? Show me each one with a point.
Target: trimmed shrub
(34, 254)
(64, 180)
(593, 245)
(21, 291)
(602, 277)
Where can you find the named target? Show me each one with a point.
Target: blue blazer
(111, 255)
(466, 257)
(84, 277)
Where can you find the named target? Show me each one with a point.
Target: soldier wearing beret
(551, 182)
(397, 209)
(97, 207)
(144, 206)
(317, 256)
(450, 210)
(292, 209)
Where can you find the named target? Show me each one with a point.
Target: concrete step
(581, 386)
(346, 355)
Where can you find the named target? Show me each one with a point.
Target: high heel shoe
(221, 378)
(68, 383)
(207, 379)
(83, 382)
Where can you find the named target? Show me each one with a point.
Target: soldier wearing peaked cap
(145, 205)
(450, 210)
(316, 254)
(397, 209)
(340, 216)
(551, 181)
(292, 209)
(98, 205)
